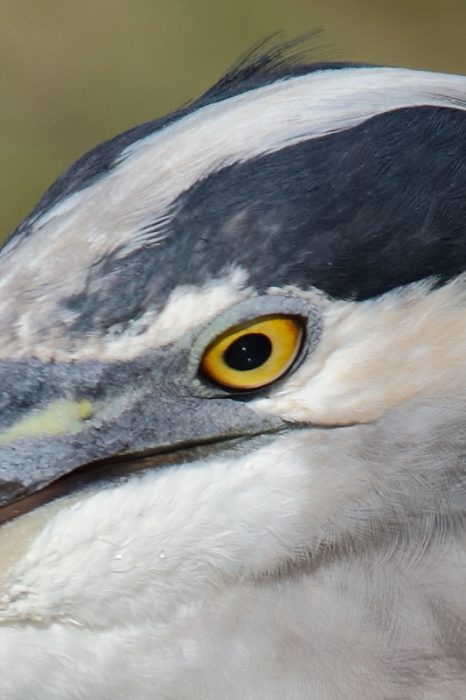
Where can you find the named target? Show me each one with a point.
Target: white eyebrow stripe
(110, 214)
(288, 111)
(294, 109)
(282, 114)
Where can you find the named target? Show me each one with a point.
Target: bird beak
(64, 424)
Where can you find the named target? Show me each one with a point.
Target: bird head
(231, 352)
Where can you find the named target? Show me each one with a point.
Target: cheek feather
(376, 355)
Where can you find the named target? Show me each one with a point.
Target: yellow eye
(254, 354)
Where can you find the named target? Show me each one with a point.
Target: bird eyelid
(306, 314)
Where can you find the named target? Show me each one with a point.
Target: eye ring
(306, 312)
(253, 354)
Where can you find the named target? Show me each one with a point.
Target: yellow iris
(253, 354)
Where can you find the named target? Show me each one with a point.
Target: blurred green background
(76, 72)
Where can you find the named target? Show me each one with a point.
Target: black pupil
(248, 352)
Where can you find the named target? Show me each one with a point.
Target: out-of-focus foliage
(75, 73)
